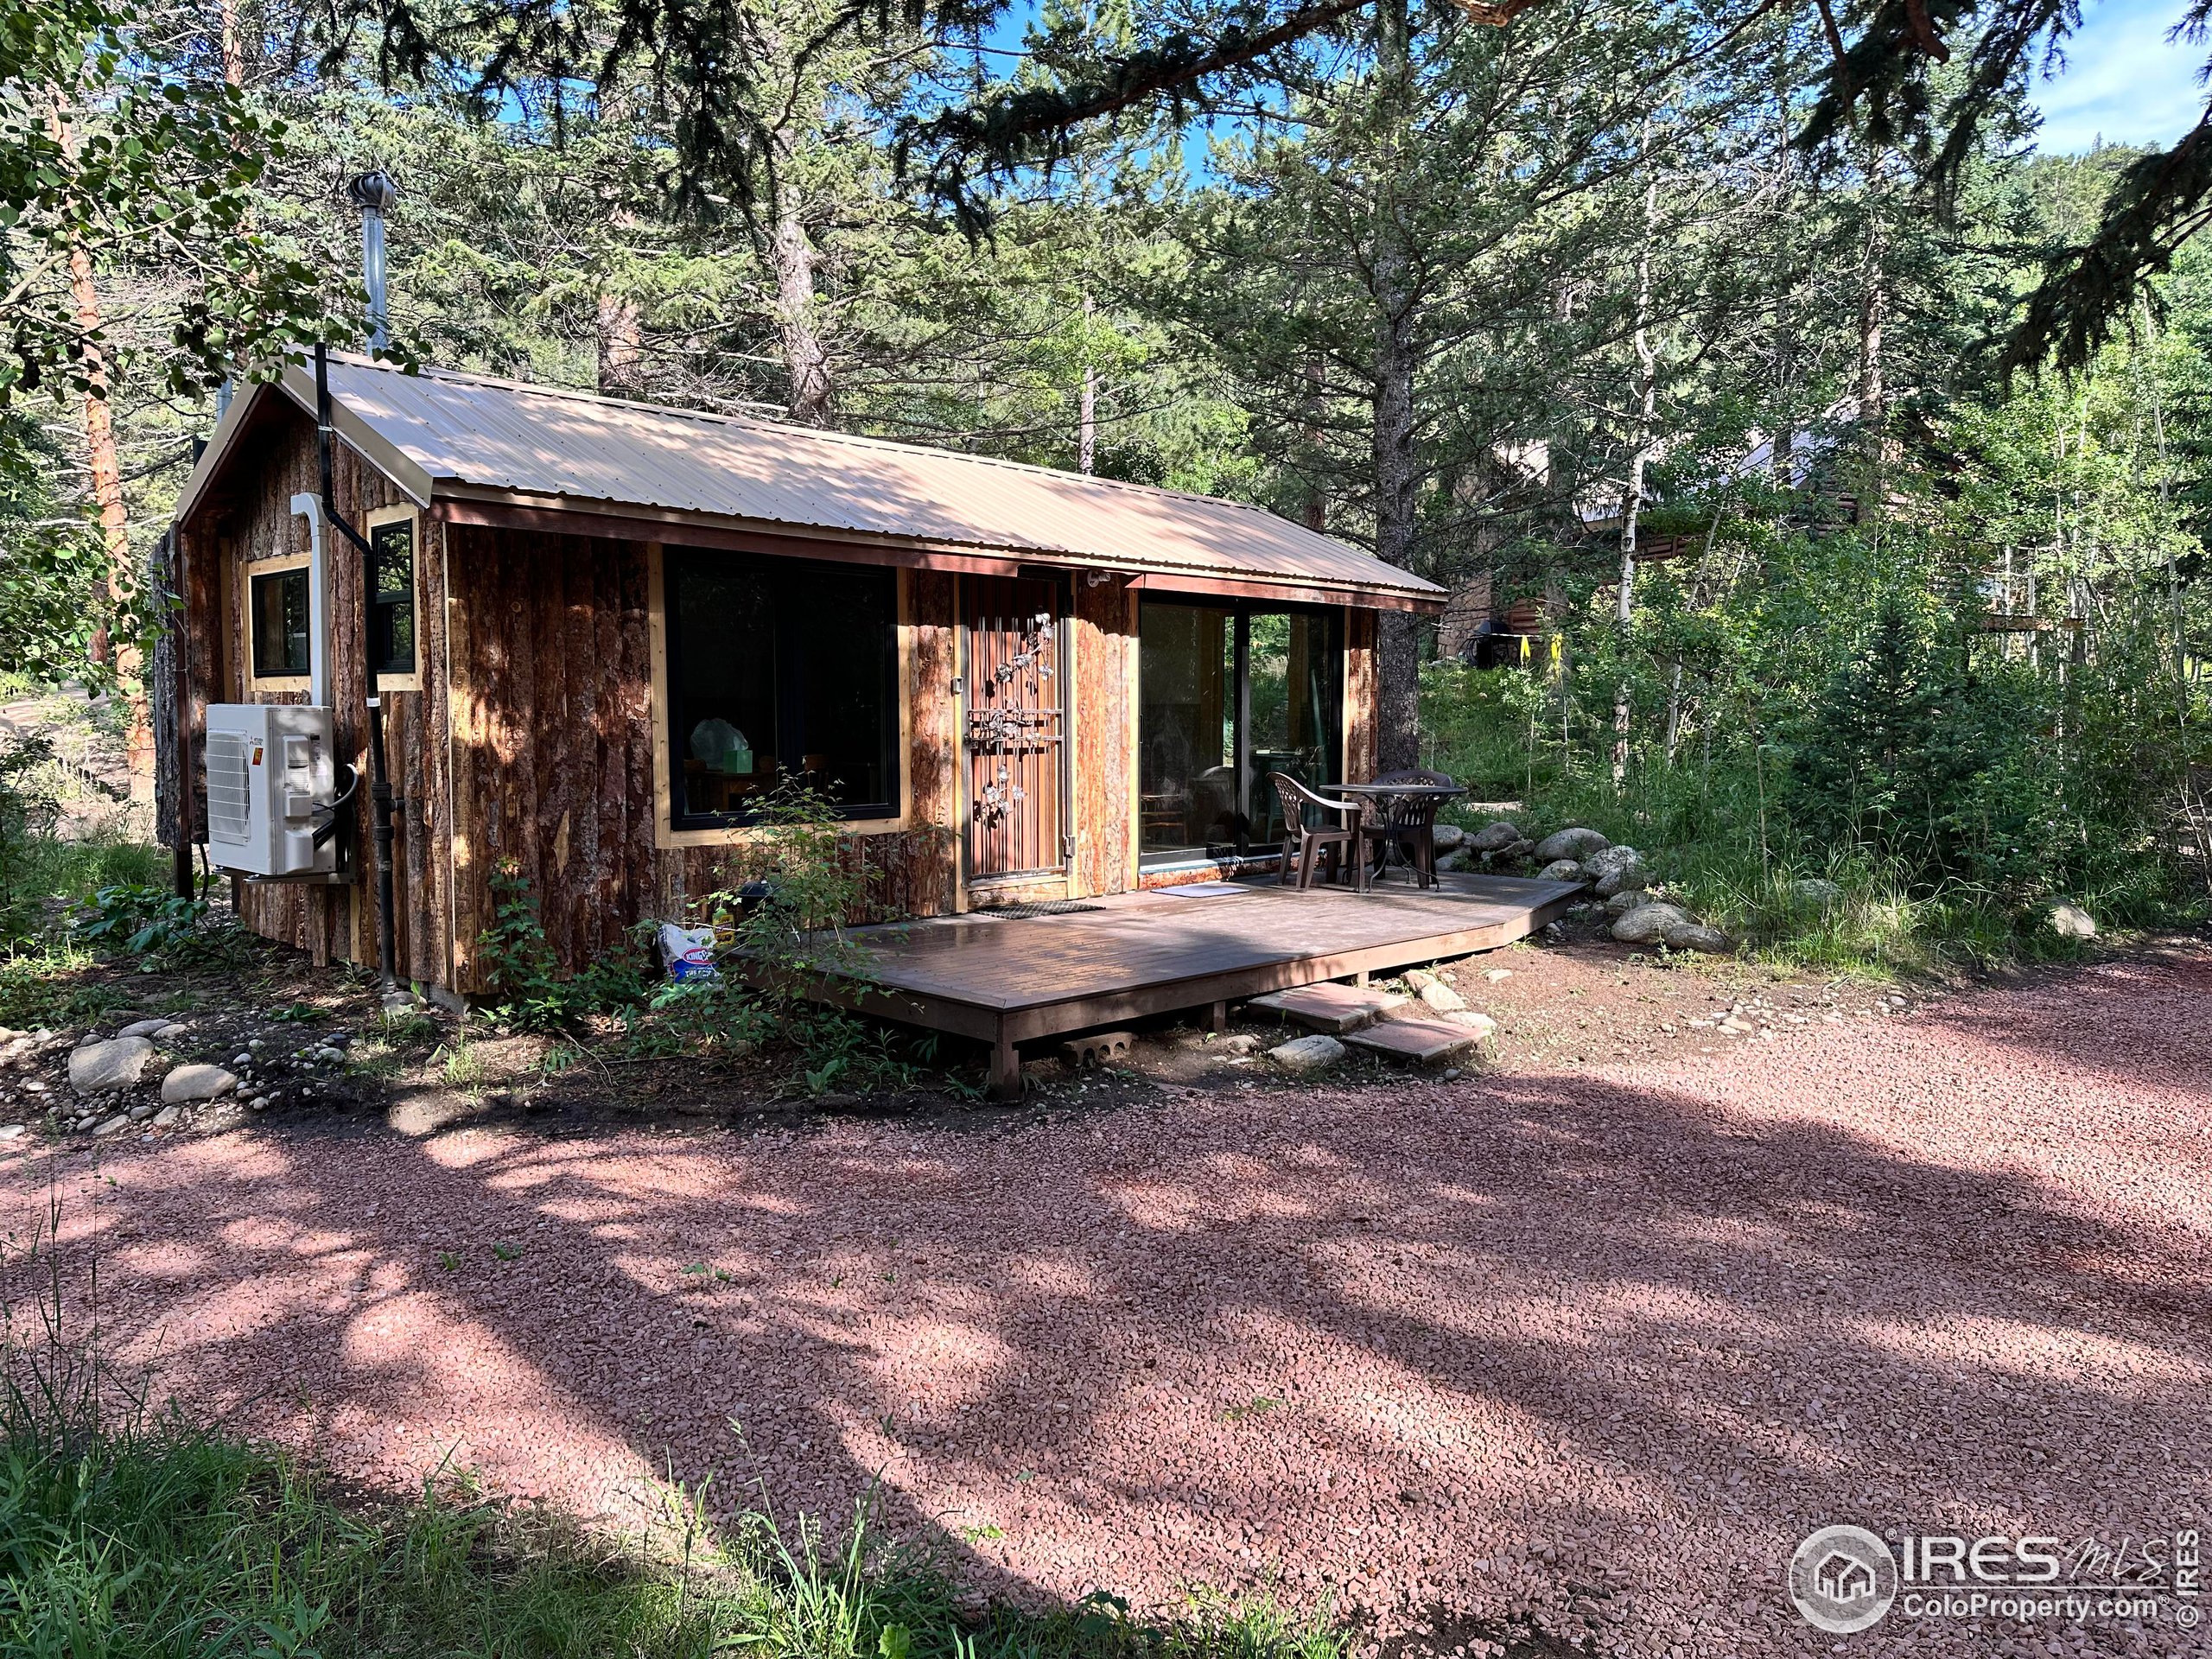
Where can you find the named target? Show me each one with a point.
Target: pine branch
(1036, 125)
(2156, 203)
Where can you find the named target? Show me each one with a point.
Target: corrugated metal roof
(460, 434)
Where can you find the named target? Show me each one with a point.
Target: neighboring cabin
(605, 630)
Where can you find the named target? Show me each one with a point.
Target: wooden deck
(1007, 981)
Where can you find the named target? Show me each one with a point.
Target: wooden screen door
(1014, 714)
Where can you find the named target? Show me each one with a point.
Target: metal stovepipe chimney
(375, 195)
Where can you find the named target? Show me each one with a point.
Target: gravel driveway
(1591, 1347)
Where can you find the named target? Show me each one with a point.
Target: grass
(163, 1540)
(46, 984)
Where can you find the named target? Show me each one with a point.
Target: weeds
(46, 985)
(462, 1067)
(781, 928)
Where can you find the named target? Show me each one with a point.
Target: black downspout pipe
(379, 784)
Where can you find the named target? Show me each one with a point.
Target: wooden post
(1005, 1080)
(1220, 1018)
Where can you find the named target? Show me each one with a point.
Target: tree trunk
(1783, 344)
(1397, 476)
(233, 45)
(1874, 318)
(1647, 380)
(1086, 443)
(812, 398)
(106, 471)
(1317, 500)
(621, 346)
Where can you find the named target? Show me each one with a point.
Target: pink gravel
(1428, 1349)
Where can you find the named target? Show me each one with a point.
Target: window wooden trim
(738, 834)
(376, 517)
(254, 571)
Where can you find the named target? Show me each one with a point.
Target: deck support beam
(1005, 1080)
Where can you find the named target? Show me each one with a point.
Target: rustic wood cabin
(605, 630)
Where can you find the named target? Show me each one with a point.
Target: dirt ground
(1570, 1351)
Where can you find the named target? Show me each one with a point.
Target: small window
(280, 624)
(392, 609)
(781, 673)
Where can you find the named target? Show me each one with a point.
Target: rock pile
(1616, 873)
(98, 1084)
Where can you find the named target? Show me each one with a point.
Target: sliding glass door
(1228, 694)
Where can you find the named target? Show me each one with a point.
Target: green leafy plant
(530, 991)
(141, 921)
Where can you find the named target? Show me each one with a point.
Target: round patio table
(1382, 794)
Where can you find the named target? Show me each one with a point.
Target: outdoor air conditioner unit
(271, 766)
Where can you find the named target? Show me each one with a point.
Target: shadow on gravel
(1391, 1345)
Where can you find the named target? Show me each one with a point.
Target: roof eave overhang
(297, 384)
(466, 504)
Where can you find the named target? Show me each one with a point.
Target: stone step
(1335, 1009)
(1419, 1042)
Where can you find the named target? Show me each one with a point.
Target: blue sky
(2122, 79)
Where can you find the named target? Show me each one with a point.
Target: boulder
(1622, 878)
(142, 1028)
(172, 1032)
(10, 1131)
(1616, 869)
(1449, 837)
(1561, 869)
(1619, 904)
(1494, 836)
(1692, 935)
(2071, 922)
(1646, 922)
(167, 1117)
(1814, 893)
(97, 1068)
(1482, 1025)
(120, 1121)
(1442, 997)
(1304, 1055)
(1618, 855)
(1418, 979)
(1574, 843)
(190, 1082)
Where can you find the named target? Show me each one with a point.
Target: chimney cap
(374, 193)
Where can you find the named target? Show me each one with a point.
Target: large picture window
(1228, 694)
(779, 672)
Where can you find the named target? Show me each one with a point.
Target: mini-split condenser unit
(272, 775)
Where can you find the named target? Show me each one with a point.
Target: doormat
(1203, 890)
(1046, 907)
